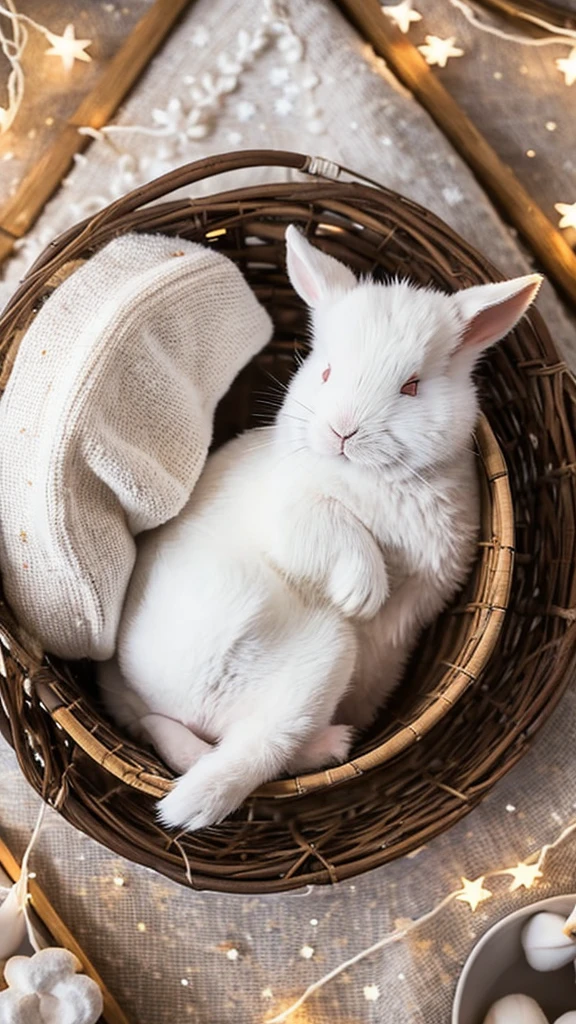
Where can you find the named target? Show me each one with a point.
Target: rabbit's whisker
(426, 483)
(301, 419)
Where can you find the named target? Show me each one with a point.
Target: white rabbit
(273, 616)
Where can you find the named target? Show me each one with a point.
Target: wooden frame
(51, 924)
(509, 195)
(119, 76)
(555, 14)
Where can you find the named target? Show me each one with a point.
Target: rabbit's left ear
(490, 311)
(314, 274)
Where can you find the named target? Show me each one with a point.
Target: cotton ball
(39, 973)
(16, 1008)
(45, 989)
(515, 1010)
(77, 1000)
(546, 946)
(567, 1018)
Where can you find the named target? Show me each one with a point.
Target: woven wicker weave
(485, 677)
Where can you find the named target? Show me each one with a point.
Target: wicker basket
(484, 678)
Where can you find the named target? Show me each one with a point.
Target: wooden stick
(61, 934)
(554, 14)
(119, 76)
(551, 249)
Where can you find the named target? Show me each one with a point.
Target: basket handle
(200, 170)
(221, 163)
(78, 236)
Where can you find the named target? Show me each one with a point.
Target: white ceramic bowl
(497, 967)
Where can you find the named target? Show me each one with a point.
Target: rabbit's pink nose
(343, 437)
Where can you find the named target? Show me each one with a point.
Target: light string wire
(13, 49)
(560, 35)
(401, 933)
(544, 24)
(18, 18)
(22, 883)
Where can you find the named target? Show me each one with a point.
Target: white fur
(276, 613)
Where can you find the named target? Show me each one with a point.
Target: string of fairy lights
(437, 51)
(14, 38)
(472, 892)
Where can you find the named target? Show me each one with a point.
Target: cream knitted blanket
(105, 425)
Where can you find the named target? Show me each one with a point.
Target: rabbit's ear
(490, 311)
(314, 274)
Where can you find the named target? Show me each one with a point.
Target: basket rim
(431, 799)
(458, 678)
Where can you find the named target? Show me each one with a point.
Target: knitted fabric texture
(106, 422)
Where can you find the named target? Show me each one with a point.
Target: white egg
(515, 1010)
(567, 1018)
(546, 946)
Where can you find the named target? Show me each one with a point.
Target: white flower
(283, 106)
(278, 76)
(228, 65)
(292, 47)
(245, 110)
(171, 117)
(155, 164)
(200, 37)
(226, 83)
(315, 126)
(453, 195)
(126, 177)
(186, 125)
(210, 84)
(88, 207)
(259, 41)
(248, 45)
(196, 126)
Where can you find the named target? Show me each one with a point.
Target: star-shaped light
(523, 875)
(567, 65)
(402, 14)
(67, 47)
(568, 214)
(473, 892)
(438, 51)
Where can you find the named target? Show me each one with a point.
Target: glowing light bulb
(68, 48)
(567, 213)
(438, 51)
(567, 65)
(402, 14)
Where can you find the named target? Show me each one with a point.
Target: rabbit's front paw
(357, 585)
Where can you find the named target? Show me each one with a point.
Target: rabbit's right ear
(314, 274)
